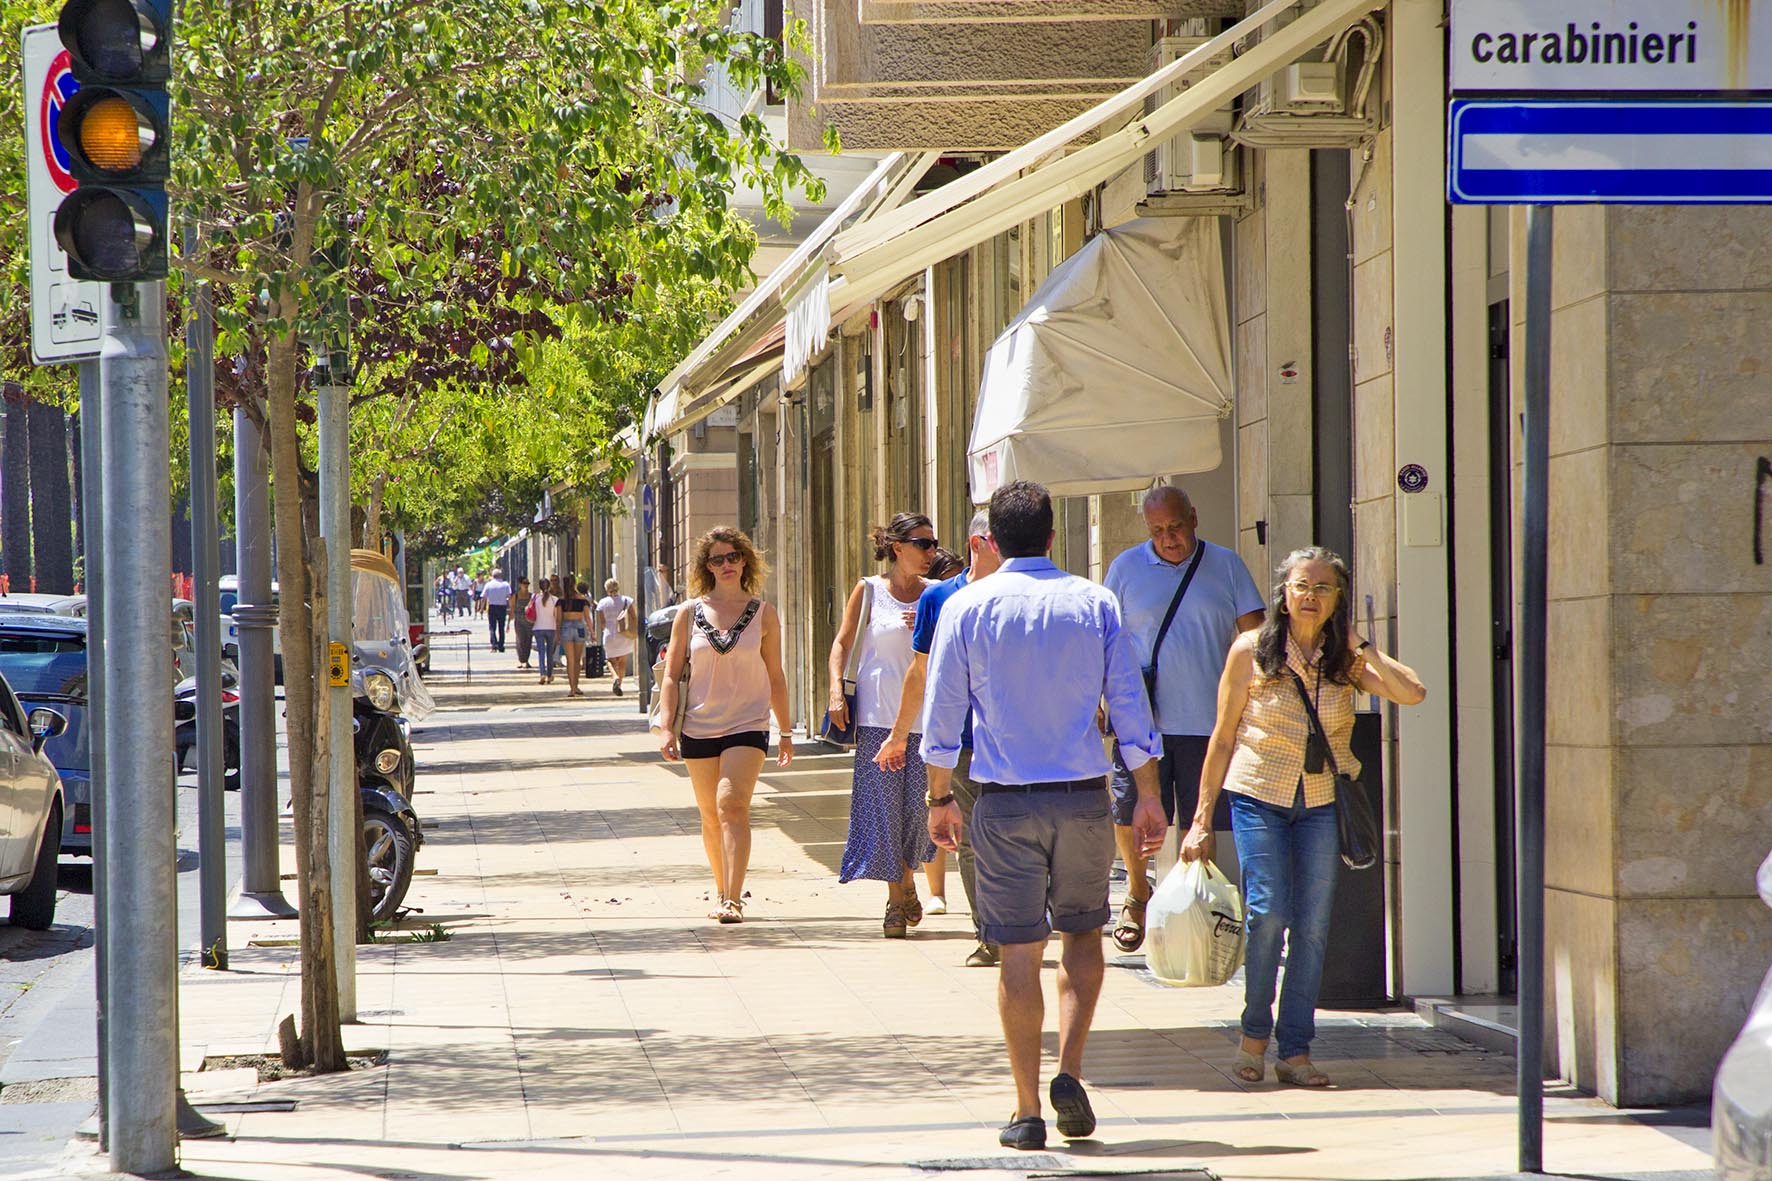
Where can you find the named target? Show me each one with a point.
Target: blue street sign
(646, 509)
(1547, 152)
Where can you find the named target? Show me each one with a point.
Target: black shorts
(1178, 778)
(710, 748)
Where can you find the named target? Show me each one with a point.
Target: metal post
(344, 841)
(1529, 808)
(141, 901)
(92, 482)
(212, 832)
(643, 572)
(261, 886)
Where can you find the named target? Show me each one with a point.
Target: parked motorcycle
(184, 712)
(392, 833)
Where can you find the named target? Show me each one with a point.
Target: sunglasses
(731, 558)
(923, 543)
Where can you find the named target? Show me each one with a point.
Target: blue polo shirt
(1197, 641)
(923, 633)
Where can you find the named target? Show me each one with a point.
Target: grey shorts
(1043, 859)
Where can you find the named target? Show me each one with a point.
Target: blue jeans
(544, 647)
(1290, 860)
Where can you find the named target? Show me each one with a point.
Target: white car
(34, 604)
(1741, 1105)
(31, 821)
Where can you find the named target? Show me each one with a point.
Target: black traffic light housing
(117, 131)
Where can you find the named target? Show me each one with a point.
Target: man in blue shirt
(1032, 652)
(1220, 602)
(910, 713)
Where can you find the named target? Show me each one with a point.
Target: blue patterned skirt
(888, 821)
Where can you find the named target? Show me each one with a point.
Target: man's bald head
(1172, 521)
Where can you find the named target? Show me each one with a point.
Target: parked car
(44, 659)
(31, 604)
(29, 827)
(1741, 1105)
(229, 586)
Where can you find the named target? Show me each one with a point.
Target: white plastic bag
(1194, 927)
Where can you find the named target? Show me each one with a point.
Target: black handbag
(828, 730)
(1354, 819)
(1150, 670)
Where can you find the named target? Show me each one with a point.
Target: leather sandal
(1129, 930)
(1250, 1068)
(731, 911)
(894, 925)
(1302, 1075)
(913, 910)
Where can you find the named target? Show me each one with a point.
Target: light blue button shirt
(1031, 651)
(1197, 641)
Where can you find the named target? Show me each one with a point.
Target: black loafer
(1076, 1119)
(1025, 1133)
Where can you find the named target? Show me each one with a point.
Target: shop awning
(870, 258)
(1117, 370)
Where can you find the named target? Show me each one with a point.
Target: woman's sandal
(1250, 1068)
(913, 911)
(1302, 1075)
(731, 911)
(1129, 931)
(894, 924)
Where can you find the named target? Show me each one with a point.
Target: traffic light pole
(140, 857)
(344, 841)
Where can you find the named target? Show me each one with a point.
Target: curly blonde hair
(701, 579)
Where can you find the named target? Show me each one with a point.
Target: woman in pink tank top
(726, 644)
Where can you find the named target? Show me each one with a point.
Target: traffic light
(117, 132)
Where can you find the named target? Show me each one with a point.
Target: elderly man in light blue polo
(1183, 600)
(1032, 652)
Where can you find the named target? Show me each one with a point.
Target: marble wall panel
(1372, 318)
(1580, 389)
(1578, 682)
(1690, 248)
(1690, 368)
(1375, 439)
(1249, 265)
(1578, 818)
(1581, 989)
(1375, 557)
(1692, 820)
(1578, 254)
(1372, 201)
(1683, 518)
(1252, 475)
(1250, 343)
(1693, 670)
(1578, 556)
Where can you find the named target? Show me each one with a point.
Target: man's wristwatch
(930, 801)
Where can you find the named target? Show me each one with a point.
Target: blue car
(43, 658)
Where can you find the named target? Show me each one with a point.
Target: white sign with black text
(1598, 46)
(65, 311)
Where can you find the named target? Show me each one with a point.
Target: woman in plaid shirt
(1283, 793)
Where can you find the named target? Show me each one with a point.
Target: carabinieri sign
(1538, 115)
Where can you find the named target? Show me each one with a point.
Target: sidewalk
(583, 1019)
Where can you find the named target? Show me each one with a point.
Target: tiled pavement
(585, 1020)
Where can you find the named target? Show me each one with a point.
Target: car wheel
(388, 844)
(33, 908)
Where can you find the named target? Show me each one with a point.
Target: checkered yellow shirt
(1268, 760)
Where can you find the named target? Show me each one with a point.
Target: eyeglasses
(1317, 590)
(729, 558)
(923, 543)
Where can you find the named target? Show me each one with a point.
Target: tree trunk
(15, 494)
(301, 591)
(52, 525)
(372, 514)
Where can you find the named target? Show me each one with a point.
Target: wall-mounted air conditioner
(1318, 104)
(1200, 160)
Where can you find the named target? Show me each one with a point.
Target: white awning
(1117, 371)
(869, 259)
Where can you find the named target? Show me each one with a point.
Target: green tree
(573, 132)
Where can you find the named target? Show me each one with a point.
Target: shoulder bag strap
(1175, 604)
(853, 665)
(1310, 710)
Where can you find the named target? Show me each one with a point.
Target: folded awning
(1118, 370)
(872, 257)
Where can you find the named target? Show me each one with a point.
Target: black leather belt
(1099, 783)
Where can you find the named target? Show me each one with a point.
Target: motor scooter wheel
(388, 843)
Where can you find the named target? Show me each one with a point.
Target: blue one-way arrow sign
(1545, 152)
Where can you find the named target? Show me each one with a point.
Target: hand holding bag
(845, 735)
(1353, 812)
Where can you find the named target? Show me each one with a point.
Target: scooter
(184, 712)
(392, 832)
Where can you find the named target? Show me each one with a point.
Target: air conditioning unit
(1316, 104)
(1199, 160)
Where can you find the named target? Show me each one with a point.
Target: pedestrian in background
(459, 586)
(888, 832)
(910, 715)
(547, 627)
(1182, 600)
(520, 620)
(944, 565)
(1032, 652)
(726, 644)
(1266, 753)
(614, 612)
(497, 594)
(575, 633)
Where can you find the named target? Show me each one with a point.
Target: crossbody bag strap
(1310, 710)
(853, 665)
(1175, 604)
